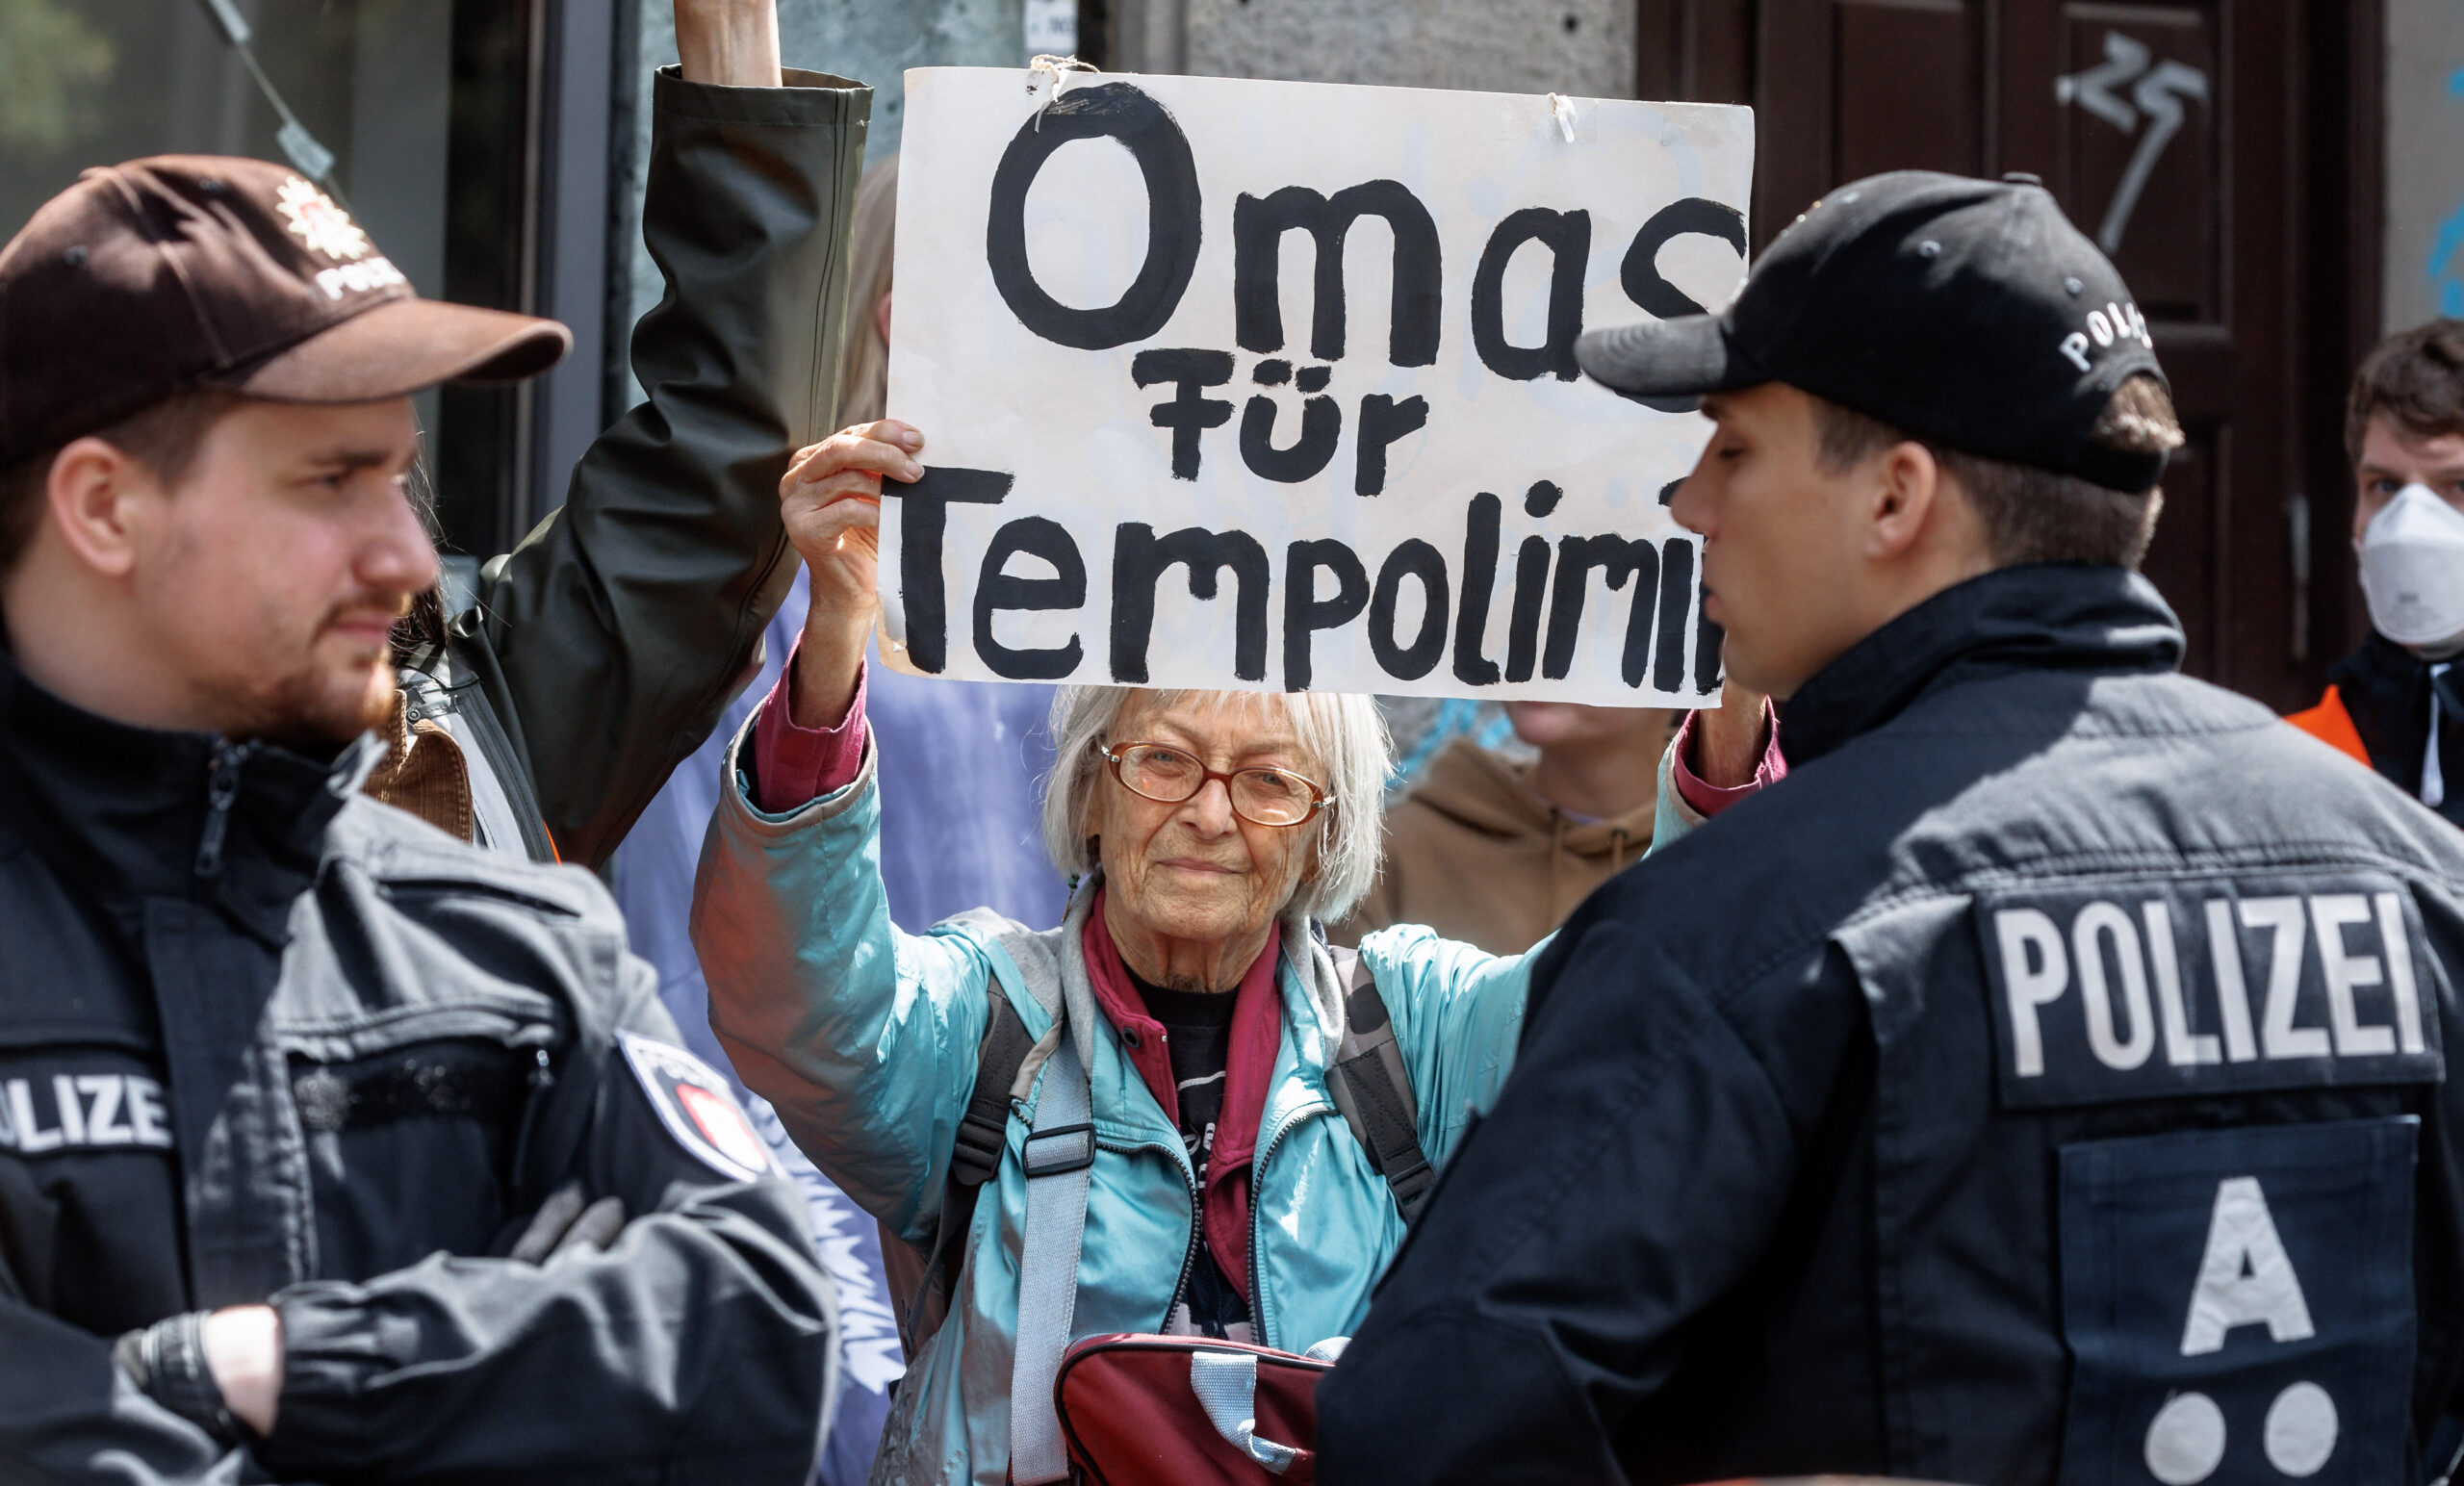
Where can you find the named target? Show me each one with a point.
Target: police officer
(2046, 1080)
(329, 1146)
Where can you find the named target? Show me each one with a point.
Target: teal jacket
(864, 1039)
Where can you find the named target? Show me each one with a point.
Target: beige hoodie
(1474, 854)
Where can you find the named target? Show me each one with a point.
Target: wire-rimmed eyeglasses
(1169, 775)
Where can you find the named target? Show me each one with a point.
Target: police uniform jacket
(2045, 1082)
(262, 1039)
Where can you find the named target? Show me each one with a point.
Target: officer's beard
(314, 708)
(312, 716)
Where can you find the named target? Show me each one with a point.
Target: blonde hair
(1342, 733)
(865, 373)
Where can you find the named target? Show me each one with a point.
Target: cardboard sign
(1272, 385)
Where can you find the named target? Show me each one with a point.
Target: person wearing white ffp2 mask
(2394, 704)
(2412, 571)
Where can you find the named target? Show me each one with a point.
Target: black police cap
(1971, 313)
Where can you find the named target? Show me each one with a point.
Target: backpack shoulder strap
(984, 1128)
(1373, 1087)
(984, 1132)
(1057, 1162)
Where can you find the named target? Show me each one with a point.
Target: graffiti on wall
(2156, 94)
(2446, 266)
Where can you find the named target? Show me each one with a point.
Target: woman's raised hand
(1730, 739)
(830, 501)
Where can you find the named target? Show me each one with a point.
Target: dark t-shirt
(1197, 1031)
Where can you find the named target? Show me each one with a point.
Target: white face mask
(2412, 570)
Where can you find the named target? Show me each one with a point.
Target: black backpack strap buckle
(984, 1130)
(1062, 1149)
(1373, 1087)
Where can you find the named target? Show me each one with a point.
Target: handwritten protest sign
(1244, 384)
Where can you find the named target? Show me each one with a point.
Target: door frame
(1777, 55)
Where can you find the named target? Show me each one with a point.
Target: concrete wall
(1583, 48)
(2424, 244)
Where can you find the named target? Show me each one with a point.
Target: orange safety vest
(2330, 723)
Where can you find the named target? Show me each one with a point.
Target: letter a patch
(2245, 1278)
(695, 1106)
(2239, 1304)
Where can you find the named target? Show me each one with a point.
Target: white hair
(1342, 735)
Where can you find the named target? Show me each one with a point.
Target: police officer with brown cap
(2046, 1080)
(329, 1147)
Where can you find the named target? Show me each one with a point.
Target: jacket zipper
(1197, 1215)
(542, 1078)
(1257, 1183)
(221, 788)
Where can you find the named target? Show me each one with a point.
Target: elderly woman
(1186, 993)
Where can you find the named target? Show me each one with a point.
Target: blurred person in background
(2394, 704)
(1423, 727)
(1496, 851)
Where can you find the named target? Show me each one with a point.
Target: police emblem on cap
(315, 221)
(698, 1109)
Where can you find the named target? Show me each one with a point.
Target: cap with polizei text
(1967, 312)
(149, 278)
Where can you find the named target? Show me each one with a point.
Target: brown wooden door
(2188, 139)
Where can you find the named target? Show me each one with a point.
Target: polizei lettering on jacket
(1290, 392)
(2135, 991)
(45, 1112)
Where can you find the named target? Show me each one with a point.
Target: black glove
(565, 1223)
(166, 1361)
